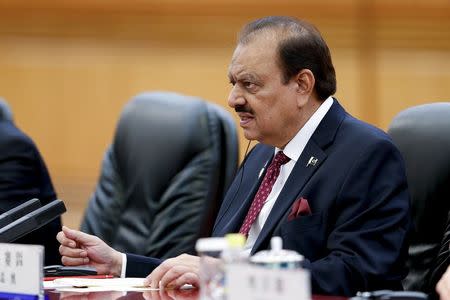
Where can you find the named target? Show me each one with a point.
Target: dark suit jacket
(23, 176)
(356, 237)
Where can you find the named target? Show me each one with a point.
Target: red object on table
(82, 276)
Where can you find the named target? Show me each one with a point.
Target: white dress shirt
(293, 150)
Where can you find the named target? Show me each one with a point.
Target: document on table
(84, 285)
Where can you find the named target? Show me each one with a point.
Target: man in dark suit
(24, 176)
(334, 188)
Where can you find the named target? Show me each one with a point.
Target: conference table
(190, 294)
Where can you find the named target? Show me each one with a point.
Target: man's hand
(78, 248)
(443, 286)
(175, 272)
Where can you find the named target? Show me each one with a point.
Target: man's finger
(173, 274)
(159, 272)
(148, 281)
(77, 236)
(72, 252)
(185, 278)
(63, 240)
(72, 261)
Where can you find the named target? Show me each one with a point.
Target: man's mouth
(245, 119)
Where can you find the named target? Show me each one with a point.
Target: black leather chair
(164, 176)
(422, 134)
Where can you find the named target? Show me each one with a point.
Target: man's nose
(235, 98)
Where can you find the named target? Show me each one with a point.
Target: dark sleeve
(23, 176)
(368, 240)
(441, 262)
(140, 266)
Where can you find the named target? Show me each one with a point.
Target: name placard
(21, 269)
(252, 282)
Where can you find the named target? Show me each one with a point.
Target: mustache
(243, 108)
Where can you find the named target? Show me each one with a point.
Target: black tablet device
(59, 270)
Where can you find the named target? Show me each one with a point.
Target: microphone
(19, 211)
(32, 221)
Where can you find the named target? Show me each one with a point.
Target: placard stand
(21, 272)
(253, 282)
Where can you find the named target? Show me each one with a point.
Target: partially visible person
(24, 176)
(439, 277)
(332, 187)
(443, 286)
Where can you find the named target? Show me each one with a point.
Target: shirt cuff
(124, 266)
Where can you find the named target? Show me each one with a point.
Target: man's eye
(249, 85)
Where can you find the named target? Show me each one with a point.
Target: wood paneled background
(68, 67)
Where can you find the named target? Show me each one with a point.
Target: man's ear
(305, 82)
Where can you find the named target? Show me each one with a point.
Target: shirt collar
(295, 147)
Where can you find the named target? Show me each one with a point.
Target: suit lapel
(299, 176)
(234, 208)
(303, 170)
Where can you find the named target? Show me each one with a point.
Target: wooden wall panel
(68, 67)
(412, 78)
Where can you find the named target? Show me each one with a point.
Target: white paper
(21, 268)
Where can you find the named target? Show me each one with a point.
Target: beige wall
(68, 68)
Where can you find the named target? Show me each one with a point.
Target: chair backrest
(422, 134)
(164, 176)
(5, 111)
(227, 146)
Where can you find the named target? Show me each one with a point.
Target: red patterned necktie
(264, 190)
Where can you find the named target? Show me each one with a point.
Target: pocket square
(299, 208)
